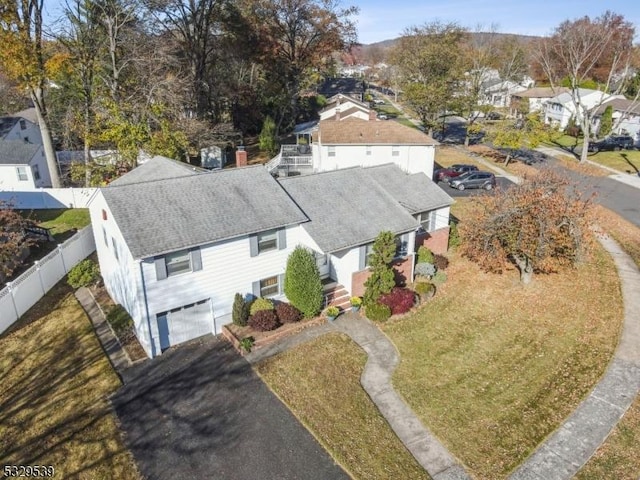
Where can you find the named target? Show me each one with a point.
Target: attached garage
(185, 323)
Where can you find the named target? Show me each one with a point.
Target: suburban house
(560, 109)
(174, 261)
(352, 87)
(534, 99)
(340, 107)
(625, 116)
(498, 93)
(22, 166)
(20, 128)
(350, 142)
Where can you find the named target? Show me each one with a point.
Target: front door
(322, 260)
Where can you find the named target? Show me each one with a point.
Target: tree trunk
(585, 149)
(506, 160)
(526, 268)
(47, 142)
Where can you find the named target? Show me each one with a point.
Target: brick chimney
(337, 114)
(241, 156)
(373, 115)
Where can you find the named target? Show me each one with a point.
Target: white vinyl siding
(395, 151)
(331, 151)
(427, 220)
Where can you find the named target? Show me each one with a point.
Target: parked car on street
(444, 174)
(620, 142)
(477, 179)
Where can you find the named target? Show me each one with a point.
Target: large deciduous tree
(586, 49)
(293, 38)
(540, 225)
(430, 59)
(24, 58)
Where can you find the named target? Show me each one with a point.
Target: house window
(269, 287)
(178, 262)
(104, 235)
(368, 250)
(427, 220)
(331, 149)
(395, 151)
(22, 174)
(115, 248)
(402, 246)
(36, 172)
(368, 150)
(267, 241)
(23, 125)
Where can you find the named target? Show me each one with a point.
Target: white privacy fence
(48, 198)
(21, 294)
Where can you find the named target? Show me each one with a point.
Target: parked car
(620, 142)
(378, 101)
(444, 174)
(477, 179)
(383, 116)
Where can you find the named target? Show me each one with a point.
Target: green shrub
(240, 311)
(454, 235)
(332, 311)
(439, 278)
(83, 274)
(425, 269)
(382, 278)
(119, 319)
(425, 255)
(267, 139)
(264, 320)
(246, 344)
(425, 290)
(260, 304)
(355, 301)
(302, 283)
(378, 312)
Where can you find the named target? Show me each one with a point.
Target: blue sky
(385, 19)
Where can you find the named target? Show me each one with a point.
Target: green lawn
(53, 402)
(489, 366)
(320, 383)
(627, 161)
(62, 222)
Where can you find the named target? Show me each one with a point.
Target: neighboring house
(498, 93)
(344, 85)
(354, 70)
(534, 99)
(22, 166)
(341, 106)
(356, 142)
(559, 109)
(19, 128)
(175, 244)
(625, 117)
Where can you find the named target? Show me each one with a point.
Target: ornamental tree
(382, 278)
(12, 238)
(540, 225)
(302, 284)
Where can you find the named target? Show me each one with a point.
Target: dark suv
(484, 180)
(622, 142)
(444, 174)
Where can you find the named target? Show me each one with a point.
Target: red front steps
(335, 294)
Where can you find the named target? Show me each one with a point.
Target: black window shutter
(161, 268)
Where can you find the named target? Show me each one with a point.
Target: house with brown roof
(534, 99)
(625, 117)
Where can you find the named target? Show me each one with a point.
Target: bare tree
(585, 49)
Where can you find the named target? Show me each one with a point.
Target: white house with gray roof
(23, 166)
(20, 127)
(559, 109)
(175, 244)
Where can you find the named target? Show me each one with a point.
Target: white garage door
(185, 323)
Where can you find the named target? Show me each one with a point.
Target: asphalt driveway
(200, 412)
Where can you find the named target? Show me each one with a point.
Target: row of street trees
(160, 75)
(443, 66)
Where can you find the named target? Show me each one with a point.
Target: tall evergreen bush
(302, 284)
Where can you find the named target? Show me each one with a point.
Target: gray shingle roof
(416, 192)
(347, 208)
(161, 216)
(6, 124)
(157, 168)
(16, 152)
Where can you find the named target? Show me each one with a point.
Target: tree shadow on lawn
(631, 164)
(53, 407)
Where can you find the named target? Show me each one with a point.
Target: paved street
(200, 412)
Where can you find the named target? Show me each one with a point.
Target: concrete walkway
(116, 354)
(572, 445)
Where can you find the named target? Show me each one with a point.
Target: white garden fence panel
(21, 294)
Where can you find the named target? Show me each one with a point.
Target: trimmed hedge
(425, 255)
(399, 300)
(378, 312)
(264, 320)
(440, 261)
(260, 304)
(287, 313)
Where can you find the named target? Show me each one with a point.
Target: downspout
(146, 308)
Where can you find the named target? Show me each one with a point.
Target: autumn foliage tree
(540, 225)
(12, 238)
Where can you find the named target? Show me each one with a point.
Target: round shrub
(439, 278)
(426, 290)
(83, 274)
(264, 320)
(287, 313)
(399, 300)
(441, 262)
(260, 304)
(425, 269)
(378, 312)
(425, 255)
